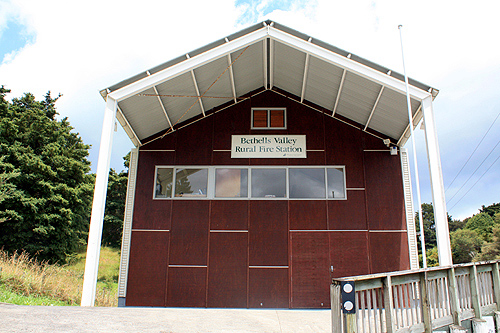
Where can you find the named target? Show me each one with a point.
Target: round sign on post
(348, 295)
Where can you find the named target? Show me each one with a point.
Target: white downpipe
(408, 102)
(98, 204)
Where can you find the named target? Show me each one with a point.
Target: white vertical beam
(98, 204)
(271, 64)
(438, 198)
(264, 60)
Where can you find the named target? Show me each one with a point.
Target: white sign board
(268, 146)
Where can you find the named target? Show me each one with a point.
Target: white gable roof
(266, 56)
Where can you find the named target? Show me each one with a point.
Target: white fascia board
(346, 63)
(188, 65)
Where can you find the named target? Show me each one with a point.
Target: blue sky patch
(13, 38)
(253, 9)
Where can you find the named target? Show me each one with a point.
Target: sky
(77, 48)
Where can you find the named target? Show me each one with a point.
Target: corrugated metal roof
(266, 56)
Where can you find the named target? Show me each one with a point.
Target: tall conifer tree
(46, 211)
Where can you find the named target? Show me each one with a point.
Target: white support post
(436, 175)
(98, 204)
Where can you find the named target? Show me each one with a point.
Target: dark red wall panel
(194, 143)
(232, 121)
(189, 232)
(304, 121)
(187, 286)
(233, 269)
(384, 191)
(344, 146)
(229, 215)
(389, 251)
(349, 253)
(348, 214)
(307, 214)
(227, 270)
(268, 233)
(156, 215)
(310, 266)
(147, 268)
(268, 288)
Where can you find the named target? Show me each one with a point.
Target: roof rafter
(304, 79)
(162, 106)
(374, 107)
(196, 88)
(337, 99)
(231, 74)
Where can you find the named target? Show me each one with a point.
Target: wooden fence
(419, 300)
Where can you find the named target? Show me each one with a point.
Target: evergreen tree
(483, 224)
(46, 212)
(491, 210)
(465, 245)
(115, 206)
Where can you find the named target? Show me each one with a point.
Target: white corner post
(98, 204)
(436, 175)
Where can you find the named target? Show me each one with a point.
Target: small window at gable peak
(268, 118)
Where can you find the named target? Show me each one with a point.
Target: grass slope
(25, 281)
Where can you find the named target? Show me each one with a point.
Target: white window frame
(269, 119)
(211, 180)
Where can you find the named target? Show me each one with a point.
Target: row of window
(250, 182)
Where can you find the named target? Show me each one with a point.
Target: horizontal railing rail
(416, 300)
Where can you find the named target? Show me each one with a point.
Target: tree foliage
(483, 224)
(465, 245)
(115, 206)
(46, 211)
(491, 210)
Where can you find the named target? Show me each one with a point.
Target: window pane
(336, 186)
(191, 183)
(163, 188)
(231, 183)
(259, 118)
(307, 183)
(268, 183)
(277, 118)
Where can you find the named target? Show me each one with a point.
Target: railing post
(496, 283)
(389, 305)
(335, 302)
(424, 296)
(474, 291)
(454, 301)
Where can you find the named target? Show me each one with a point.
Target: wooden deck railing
(419, 300)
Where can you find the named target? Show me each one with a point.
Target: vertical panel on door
(310, 269)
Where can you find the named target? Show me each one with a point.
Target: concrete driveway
(20, 318)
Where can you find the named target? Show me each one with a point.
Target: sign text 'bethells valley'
(268, 146)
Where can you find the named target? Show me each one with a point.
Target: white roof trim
(348, 64)
(188, 65)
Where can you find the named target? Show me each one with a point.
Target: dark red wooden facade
(264, 253)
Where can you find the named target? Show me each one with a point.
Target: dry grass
(26, 276)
